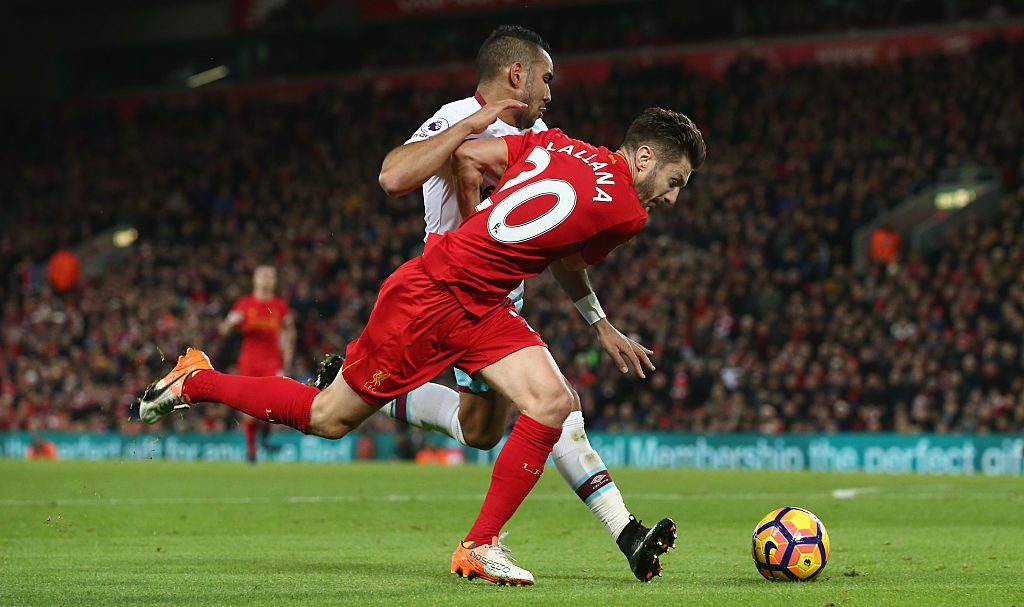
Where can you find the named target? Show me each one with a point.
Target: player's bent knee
(564, 404)
(552, 406)
(326, 425)
(577, 405)
(327, 416)
(331, 431)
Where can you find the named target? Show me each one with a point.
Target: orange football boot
(492, 562)
(164, 395)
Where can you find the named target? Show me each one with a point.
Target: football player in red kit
(268, 339)
(561, 203)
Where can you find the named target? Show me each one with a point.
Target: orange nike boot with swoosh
(164, 395)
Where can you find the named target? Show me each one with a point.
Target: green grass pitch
(162, 533)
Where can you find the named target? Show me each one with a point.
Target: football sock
(278, 400)
(584, 471)
(516, 471)
(430, 407)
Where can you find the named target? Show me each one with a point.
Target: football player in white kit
(514, 71)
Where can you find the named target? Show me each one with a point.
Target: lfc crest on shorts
(378, 377)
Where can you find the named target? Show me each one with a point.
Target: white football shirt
(441, 208)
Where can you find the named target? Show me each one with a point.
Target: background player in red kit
(562, 203)
(268, 339)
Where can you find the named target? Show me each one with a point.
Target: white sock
(430, 407)
(583, 470)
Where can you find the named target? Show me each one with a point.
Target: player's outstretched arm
(409, 166)
(473, 160)
(571, 274)
(233, 319)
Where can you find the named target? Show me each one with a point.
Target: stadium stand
(744, 291)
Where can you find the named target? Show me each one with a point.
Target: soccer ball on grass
(790, 544)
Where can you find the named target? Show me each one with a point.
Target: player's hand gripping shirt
(558, 197)
(441, 209)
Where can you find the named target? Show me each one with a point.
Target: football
(790, 544)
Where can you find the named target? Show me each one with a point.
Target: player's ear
(516, 75)
(644, 158)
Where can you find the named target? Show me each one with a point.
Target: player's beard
(645, 187)
(526, 118)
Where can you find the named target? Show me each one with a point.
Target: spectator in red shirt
(63, 270)
(885, 244)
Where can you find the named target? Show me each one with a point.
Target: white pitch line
(845, 494)
(841, 493)
(326, 499)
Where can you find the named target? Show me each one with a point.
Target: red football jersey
(559, 196)
(261, 334)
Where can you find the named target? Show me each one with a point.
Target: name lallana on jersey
(603, 177)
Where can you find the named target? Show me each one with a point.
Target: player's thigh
(473, 384)
(518, 301)
(530, 378)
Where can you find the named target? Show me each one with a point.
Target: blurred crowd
(302, 37)
(656, 23)
(744, 290)
(662, 22)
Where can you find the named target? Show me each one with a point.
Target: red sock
(278, 400)
(250, 437)
(516, 471)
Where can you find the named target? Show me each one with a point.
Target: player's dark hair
(506, 45)
(668, 132)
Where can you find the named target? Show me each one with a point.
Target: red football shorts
(417, 329)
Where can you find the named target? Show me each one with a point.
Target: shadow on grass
(588, 578)
(758, 581)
